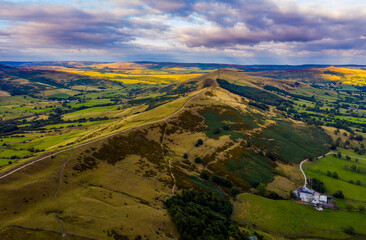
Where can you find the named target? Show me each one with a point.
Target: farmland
(55, 117)
(292, 220)
(133, 74)
(351, 178)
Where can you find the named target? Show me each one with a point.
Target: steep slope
(114, 188)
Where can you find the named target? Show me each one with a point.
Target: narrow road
(16, 169)
(302, 171)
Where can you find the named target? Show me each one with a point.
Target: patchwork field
(352, 76)
(351, 178)
(137, 76)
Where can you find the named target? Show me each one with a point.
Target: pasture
(293, 220)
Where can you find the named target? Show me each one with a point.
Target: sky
(212, 31)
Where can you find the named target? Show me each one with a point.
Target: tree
(317, 185)
(204, 175)
(262, 189)
(338, 194)
(339, 154)
(198, 160)
(234, 191)
(222, 181)
(361, 208)
(199, 142)
(185, 155)
(335, 175)
(200, 215)
(349, 230)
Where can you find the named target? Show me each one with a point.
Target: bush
(349, 230)
(217, 131)
(199, 142)
(361, 209)
(262, 189)
(204, 175)
(234, 191)
(274, 196)
(198, 160)
(222, 181)
(317, 185)
(271, 156)
(338, 194)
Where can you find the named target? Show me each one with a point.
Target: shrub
(204, 175)
(199, 142)
(361, 209)
(222, 181)
(317, 185)
(338, 194)
(262, 189)
(198, 160)
(234, 191)
(349, 230)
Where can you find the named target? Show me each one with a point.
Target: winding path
(303, 173)
(16, 169)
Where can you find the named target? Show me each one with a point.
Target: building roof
(323, 198)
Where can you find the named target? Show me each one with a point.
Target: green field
(293, 220)
(352, 191)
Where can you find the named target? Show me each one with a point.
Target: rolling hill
(107, 188)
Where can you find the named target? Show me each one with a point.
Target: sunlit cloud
(239, 31)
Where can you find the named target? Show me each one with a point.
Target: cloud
(227, 29)
(54, 25)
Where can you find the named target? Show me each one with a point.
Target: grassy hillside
(295, 221)
(109, 187)
(192, 135)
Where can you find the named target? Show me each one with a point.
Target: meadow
(293, 220)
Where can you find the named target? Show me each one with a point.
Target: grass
(348, 75)
(291, 219)
(92, 103)
(134, 77)
(334, 164)
(319, 169)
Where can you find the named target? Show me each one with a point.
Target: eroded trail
(60, 181)
(26, 164)
(165, 159)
